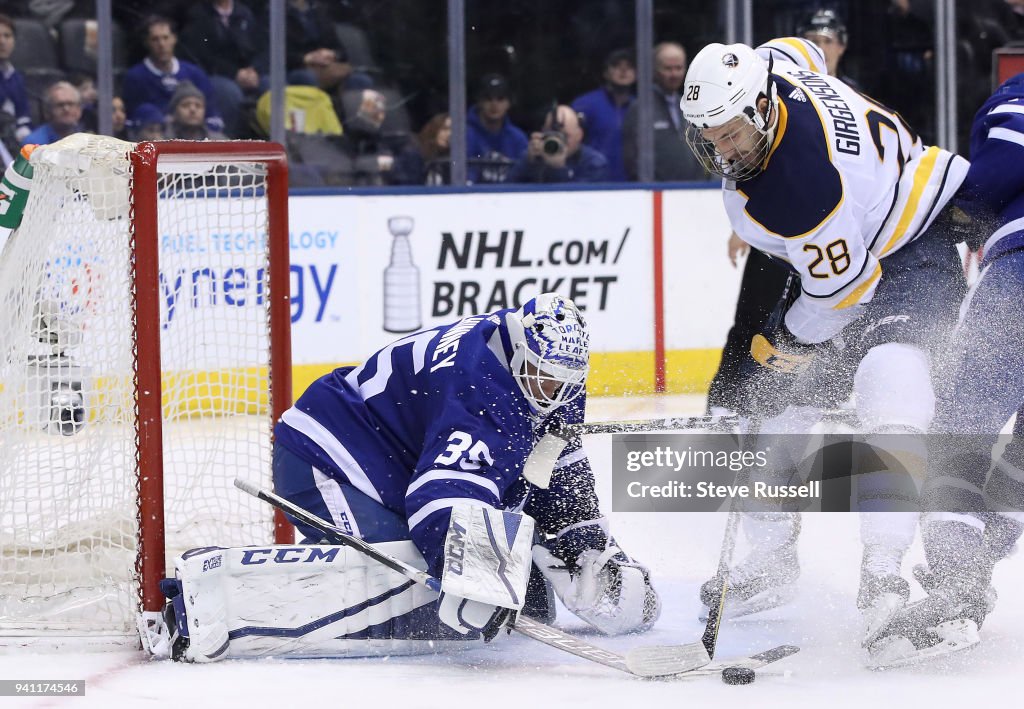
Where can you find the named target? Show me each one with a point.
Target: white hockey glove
(605, 588)
(486, 568)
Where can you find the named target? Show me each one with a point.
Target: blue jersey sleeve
(568, 511)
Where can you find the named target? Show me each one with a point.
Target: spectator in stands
(603, 110)
(493, 143)
(13, 96)
(118, 118)
(314, 56)
(222, 37)
(372, 154)
(62, 108)
(87, 91)
(154, 79)
(427, 160)
(828, 31)
(906, 80)
(146, 123)
(556, 153)
(187, 111)
(673, 160)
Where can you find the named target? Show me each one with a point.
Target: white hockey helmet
(726, 131)
(551, 351)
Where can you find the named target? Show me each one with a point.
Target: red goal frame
(150, 563)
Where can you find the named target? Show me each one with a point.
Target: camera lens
(552, 144)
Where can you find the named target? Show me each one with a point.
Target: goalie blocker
(332, 601)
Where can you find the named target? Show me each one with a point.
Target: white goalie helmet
(726, 131)
(551, 351)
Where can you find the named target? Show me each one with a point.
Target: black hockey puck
(737, 675)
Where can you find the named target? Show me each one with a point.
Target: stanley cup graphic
(401, 281)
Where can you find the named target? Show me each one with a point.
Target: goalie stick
(523, 624)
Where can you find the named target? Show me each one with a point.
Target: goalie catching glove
(605, 588)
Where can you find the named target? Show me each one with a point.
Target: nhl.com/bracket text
(482, 258)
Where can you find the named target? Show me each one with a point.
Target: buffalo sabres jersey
(794, 50)
(433, 419)
(994, 188)
(845, 184)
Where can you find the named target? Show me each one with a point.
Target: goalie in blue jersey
(421, 450)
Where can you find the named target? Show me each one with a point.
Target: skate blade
(764, 601)
(897, 651)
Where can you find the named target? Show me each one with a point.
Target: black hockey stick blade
(750, 662)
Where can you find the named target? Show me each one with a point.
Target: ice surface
(682, 550)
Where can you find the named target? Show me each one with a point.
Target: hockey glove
(777, 362)
(467, 616)
(606, 588)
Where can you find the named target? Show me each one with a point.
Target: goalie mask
(551, 351)
(727, 131)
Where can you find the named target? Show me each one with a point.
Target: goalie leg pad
(304, 601)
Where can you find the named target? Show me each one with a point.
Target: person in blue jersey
(493, 141)
(155, 78)
(447, 417)
(844, 192)
(605, 108)
(974, 509)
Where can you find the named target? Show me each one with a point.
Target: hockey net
(144, 325)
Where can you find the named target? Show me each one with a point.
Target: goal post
(144, 358)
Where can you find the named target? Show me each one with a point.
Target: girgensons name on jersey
(844, 123)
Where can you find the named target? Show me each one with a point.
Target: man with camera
(556, 153)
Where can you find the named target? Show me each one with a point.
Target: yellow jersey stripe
(799, 46)
(859, 291)
(922, 176)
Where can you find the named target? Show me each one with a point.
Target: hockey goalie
(420, 451)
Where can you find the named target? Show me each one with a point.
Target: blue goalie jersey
(434, 419)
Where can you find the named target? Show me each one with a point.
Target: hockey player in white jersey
(421, 450)
(843, 191)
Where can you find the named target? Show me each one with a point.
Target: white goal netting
(69, 463)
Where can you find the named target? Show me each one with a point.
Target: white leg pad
(893, 388)
(297, 601)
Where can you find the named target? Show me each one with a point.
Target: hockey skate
(882, 593)
(944, 622)
(762, 581)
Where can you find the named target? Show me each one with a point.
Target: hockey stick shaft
(717, 605)
(524, 625)
(674, 423)
(339, 537)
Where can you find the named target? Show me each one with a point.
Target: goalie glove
(605, 588)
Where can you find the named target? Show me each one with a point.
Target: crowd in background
(552, 83)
